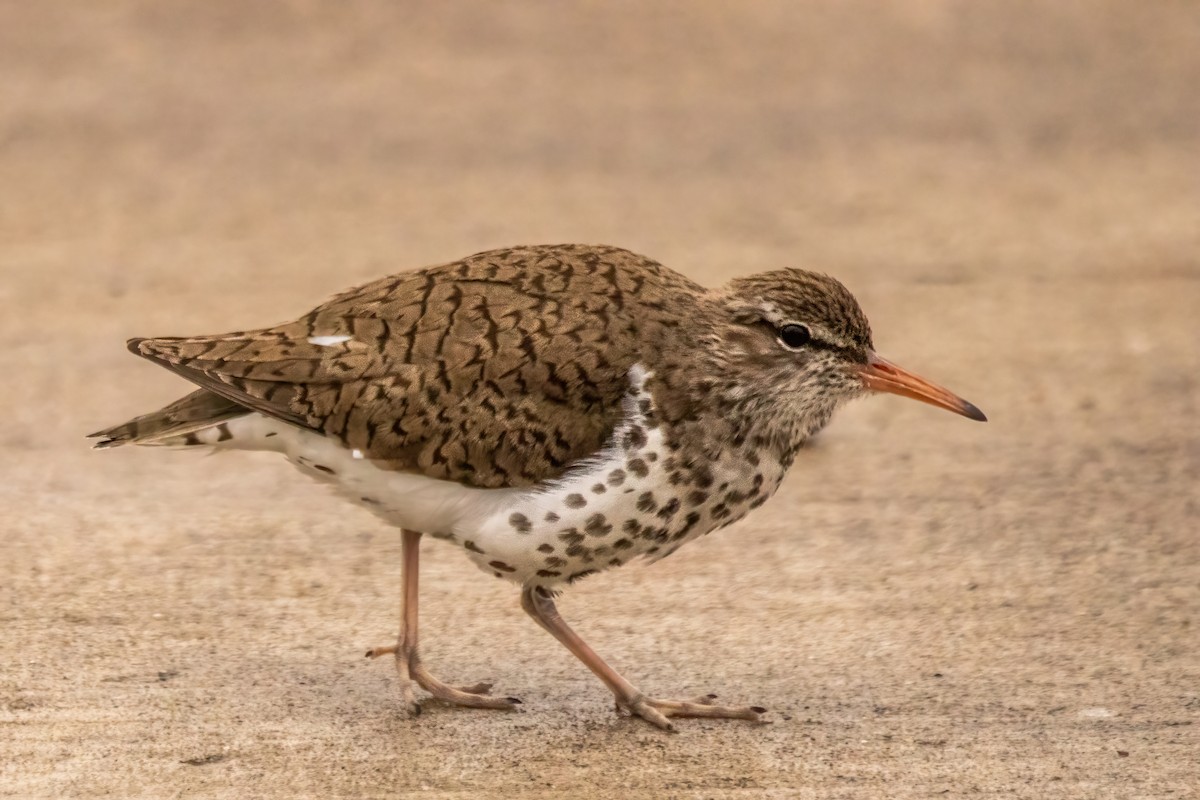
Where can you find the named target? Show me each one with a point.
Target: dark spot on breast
(324, 469)
(575, 550)
(675, 478)
(735, 497)
(645, 502)
(615, 562)
(688, 524)
(571, 536)
(669, 509)
(500, 565)
(520, 523)
(546, 548)
(472, 547)
(697, 497)
(497, 574)
(702, 476)
(651, 457)
(575, 501)
(616, 477)
(269, 435)
(631, 526)
(370, 500)
(637, 467)
(552, 517)
(548, 573)
(622, 544)
(635, 438)
(597, 525)
(599, 488)
(555, 561)
(580, 575)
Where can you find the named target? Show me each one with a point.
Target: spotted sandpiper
(553, 411)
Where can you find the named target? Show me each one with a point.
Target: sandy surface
(930, 607)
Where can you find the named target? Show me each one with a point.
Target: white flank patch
(328, 341)
(410, 501)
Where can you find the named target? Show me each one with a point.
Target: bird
(552, 411)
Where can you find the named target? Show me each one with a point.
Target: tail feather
(199, 410)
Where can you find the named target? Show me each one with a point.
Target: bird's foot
(659, 712)
(410, 670)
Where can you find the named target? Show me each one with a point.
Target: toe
(376, 652)
(478, 688)
(653, 716)
(658, 712)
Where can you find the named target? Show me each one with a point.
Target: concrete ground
(930, 607)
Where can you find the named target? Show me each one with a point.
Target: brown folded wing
(497, 370)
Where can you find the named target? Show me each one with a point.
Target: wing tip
(108, 438)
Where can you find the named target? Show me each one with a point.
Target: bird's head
(799, 341)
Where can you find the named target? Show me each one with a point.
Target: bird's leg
(539, 604)
(408, 660)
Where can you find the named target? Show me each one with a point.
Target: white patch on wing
(328, 341)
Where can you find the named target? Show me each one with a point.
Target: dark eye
(794, 335)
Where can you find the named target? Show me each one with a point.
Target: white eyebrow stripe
(328, 341)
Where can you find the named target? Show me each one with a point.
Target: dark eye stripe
(850, 353)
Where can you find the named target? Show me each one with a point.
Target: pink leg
(539, 604)
(408, 661)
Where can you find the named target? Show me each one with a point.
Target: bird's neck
(716, 416)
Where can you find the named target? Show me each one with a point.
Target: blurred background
(1012, 189)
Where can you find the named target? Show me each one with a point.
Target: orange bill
(881, 375)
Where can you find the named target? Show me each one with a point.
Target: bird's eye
(794, 336)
